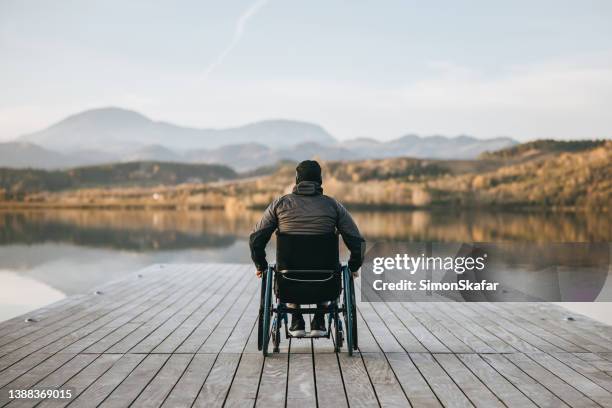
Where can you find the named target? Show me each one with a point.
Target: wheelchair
(307, 271)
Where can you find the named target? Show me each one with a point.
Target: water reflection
(71, 251)
(155, 230)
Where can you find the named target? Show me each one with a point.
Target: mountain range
(109, 135)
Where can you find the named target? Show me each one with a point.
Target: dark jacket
(306, 211)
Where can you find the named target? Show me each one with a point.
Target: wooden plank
(83, 380)
(528, 386)
(586, 369)
(214, 390)
(81, 305)
(561, 389)
(29, 379)
(106, 342)
(136, 381)
(589, 327)
(34, 358)
(190, 339)
(441, 384)
(203, 318)
(412, 382)
(471, 386)
(204, 298)
(156, 316)
(102, 387)
(537, 342)
(575, 379)
(496, 343)
(384, 338)
(449, 324)
(89, 307)
(607, 356)
(596, 361)
(406, 329)
(548, 335)
(581, 331)
(493, 327)
(330, 387)
(224, 286)
(367, 343)
(273, 383)
(301, 385)
(251, 344)
(227, 315)
(390, 329)
(58, 378)
(425, 337)
(564, 330)
(48, 334)
(158, 389)
(212, 310)
(359, 389)
(243, 391)
(447, 337)
(15, 323)
(25, 358)
(17, 327)
(388, 389)
(502, 388)
(240, 335)
(188, 386)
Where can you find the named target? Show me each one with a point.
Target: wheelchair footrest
(308, 335)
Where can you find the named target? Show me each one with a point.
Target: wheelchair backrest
(305, 252)
(308, 268)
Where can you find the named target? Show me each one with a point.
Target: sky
(379, 69)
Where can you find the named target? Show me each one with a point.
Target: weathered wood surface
(185, 335)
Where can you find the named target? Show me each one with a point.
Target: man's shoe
(297, 328)
(317, 326)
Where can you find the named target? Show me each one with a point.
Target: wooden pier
(185, 335)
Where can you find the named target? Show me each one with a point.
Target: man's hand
(356, 274)
(259, 273)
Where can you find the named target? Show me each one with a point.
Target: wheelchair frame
(273, 315)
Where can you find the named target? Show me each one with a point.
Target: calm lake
(46, 255)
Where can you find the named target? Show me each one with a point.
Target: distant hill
(431, 147)
(110, 135)
(579, 178)
(23, 154)
(569, 175)
(245, 157)
(240, 157)
(17, 182)
(542, 147)
(575, 174)
(117, 130)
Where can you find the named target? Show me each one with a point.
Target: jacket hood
(308, 188)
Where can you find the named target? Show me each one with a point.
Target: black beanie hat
(308, 170)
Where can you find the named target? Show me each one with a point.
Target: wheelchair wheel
(338, 334)
(260, 314)
(267, 313)
(348, 308)
(354, 312)
(276, 333)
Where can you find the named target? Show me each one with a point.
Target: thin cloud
(238, 32)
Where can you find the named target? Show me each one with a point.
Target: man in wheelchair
(306, 211)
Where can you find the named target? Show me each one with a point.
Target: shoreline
(139, 206)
